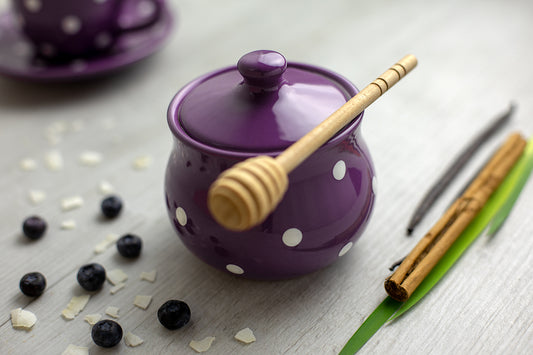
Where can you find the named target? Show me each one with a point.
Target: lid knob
(262, 70)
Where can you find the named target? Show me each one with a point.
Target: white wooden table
(474, 58)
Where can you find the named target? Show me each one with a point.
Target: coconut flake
(28, 164)
(142, 162)
(105, 187)
(203, 345)
(70, 203)
(90, 158)
(132, 340)
(92, 319)
(75, 306)
(109, 240)
(142, 301)
(75, 350)
(54, 132)
(36, 196)
(112, 311)
(148, 275)
(108, 123)
(57, 127)
(77, 125)
(116, 276)
(54, 160)
(22, 319)
(117, 288)
(53, 138)
(69, 224)
(245, 335)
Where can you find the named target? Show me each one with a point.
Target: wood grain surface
(474, 58)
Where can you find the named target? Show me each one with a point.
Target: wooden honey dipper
(244, 195)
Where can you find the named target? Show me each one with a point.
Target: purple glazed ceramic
(262, 106)
(18, 56)
(65, 29)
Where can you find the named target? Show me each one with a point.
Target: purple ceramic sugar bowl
(75, 28)
(262, 106)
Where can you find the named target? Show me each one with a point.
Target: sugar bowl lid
(263, 104)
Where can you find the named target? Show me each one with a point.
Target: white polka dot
(375, 185)
(33, 5)
(78, 65)
(146, 8)
(47, 50)
(71, 24)
(235, 269)
(132, 41)
(103, 40)
(126, 20)
(181, 216)
(339, 170)
(345, 249)
(292, 237)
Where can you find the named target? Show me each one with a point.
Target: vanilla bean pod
(442, 183)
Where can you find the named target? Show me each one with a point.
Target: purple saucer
(17, 58)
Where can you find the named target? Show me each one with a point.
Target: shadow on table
(23, 94)
(226, 302)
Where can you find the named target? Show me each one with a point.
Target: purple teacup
(63, 29)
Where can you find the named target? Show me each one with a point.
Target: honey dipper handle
(244, 195)
(305, 146)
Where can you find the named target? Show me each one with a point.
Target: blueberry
(32, 284)
(34, 227)
(91, 276)
(174, 314)
(129, 246)
(106, 333)
(111, 206)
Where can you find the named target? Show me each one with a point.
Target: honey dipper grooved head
(244, 195)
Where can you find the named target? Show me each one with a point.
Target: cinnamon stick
(442, 183)
(426, 254)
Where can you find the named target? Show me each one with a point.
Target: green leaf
(497, 207)
(370, 326)
(501, 200)
(524, 168)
